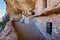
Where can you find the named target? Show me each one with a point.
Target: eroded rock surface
(17, 7)
(8, 33)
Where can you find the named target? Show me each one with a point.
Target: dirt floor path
(28, 32)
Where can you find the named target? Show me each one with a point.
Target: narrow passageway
(28, 32)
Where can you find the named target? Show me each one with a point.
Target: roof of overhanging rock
(22, 4)
(18, 7)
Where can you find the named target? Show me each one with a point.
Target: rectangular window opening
(44, 4)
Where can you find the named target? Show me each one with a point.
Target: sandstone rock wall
(9, 32)
(52, 3)
(17, 7)
(40, 5)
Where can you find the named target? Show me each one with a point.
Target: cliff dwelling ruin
(32, 20)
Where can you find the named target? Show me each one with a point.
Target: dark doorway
(49, 27)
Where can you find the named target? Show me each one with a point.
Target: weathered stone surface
(8, 33)
(17, 7)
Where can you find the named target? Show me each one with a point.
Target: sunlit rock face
(17, 7)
